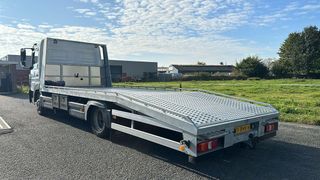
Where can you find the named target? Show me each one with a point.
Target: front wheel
(40, 109)
(30, 96)
(100, 120)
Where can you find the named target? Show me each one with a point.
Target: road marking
(5, 123)
(4, 127)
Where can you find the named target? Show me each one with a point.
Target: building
(122, 70)
(189, 69)
(7, 76)
(163, 70)
(21, 74)
(163, 74)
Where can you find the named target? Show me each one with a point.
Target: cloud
(85, 12)
(14, 38)
(90, 13)
(85, 1)
(310, 7)
(161, 30)
(45, 26)
(171, 18)
(291, 10)
(81, 11)
(25, 26)
(186, 28)
(177, 50)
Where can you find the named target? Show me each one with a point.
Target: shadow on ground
(16, 95)
(270, 160)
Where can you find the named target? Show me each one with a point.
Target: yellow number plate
(242, 129)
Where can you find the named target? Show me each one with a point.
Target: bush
(208, 78)
(254, 78)
(252, 67)
(279, 70)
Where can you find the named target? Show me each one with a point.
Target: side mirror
(27, 62)
(23, 56)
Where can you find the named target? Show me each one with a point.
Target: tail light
(207, 145)
(271, 127)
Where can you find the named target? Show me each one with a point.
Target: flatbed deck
(192, 110)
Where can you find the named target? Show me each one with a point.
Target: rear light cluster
(271, 127)
(207, 145)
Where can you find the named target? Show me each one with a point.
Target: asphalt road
(61, 147)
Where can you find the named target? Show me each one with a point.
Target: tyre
(100, 122)
(40, 109)
(30, 96)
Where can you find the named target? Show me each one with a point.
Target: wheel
(192, 160)
(40, 110)
(242, 145)
(254, 143)
(251, 144)
(100, 122)
(30, 96)
(35, 96)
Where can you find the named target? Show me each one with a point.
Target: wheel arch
(91, 105)
(35, 95)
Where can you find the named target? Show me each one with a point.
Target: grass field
(298, 100)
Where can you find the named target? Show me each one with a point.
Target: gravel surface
(61, 147)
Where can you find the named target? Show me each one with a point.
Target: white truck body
(191, 121)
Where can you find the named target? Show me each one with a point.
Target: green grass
(298, 100)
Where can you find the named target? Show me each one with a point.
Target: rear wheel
(100, 120)
(192, 160)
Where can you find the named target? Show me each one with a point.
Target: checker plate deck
(201, 108)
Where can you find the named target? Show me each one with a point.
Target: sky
(164, 31)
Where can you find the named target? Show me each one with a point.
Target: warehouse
(7, 77)
(22, 75)
(122, 70)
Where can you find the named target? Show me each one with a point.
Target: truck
(75, 77)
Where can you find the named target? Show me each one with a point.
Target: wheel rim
(99, 122)
(38, 106)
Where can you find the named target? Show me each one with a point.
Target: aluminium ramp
(4, 127)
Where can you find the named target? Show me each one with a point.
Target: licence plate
(242, 129)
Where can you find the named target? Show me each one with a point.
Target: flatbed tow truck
(75, 77)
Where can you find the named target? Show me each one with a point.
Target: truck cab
(58, 62)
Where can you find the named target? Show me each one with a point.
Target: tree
(279, 69)
(300, 52)
(311, 37)
(252, 67)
